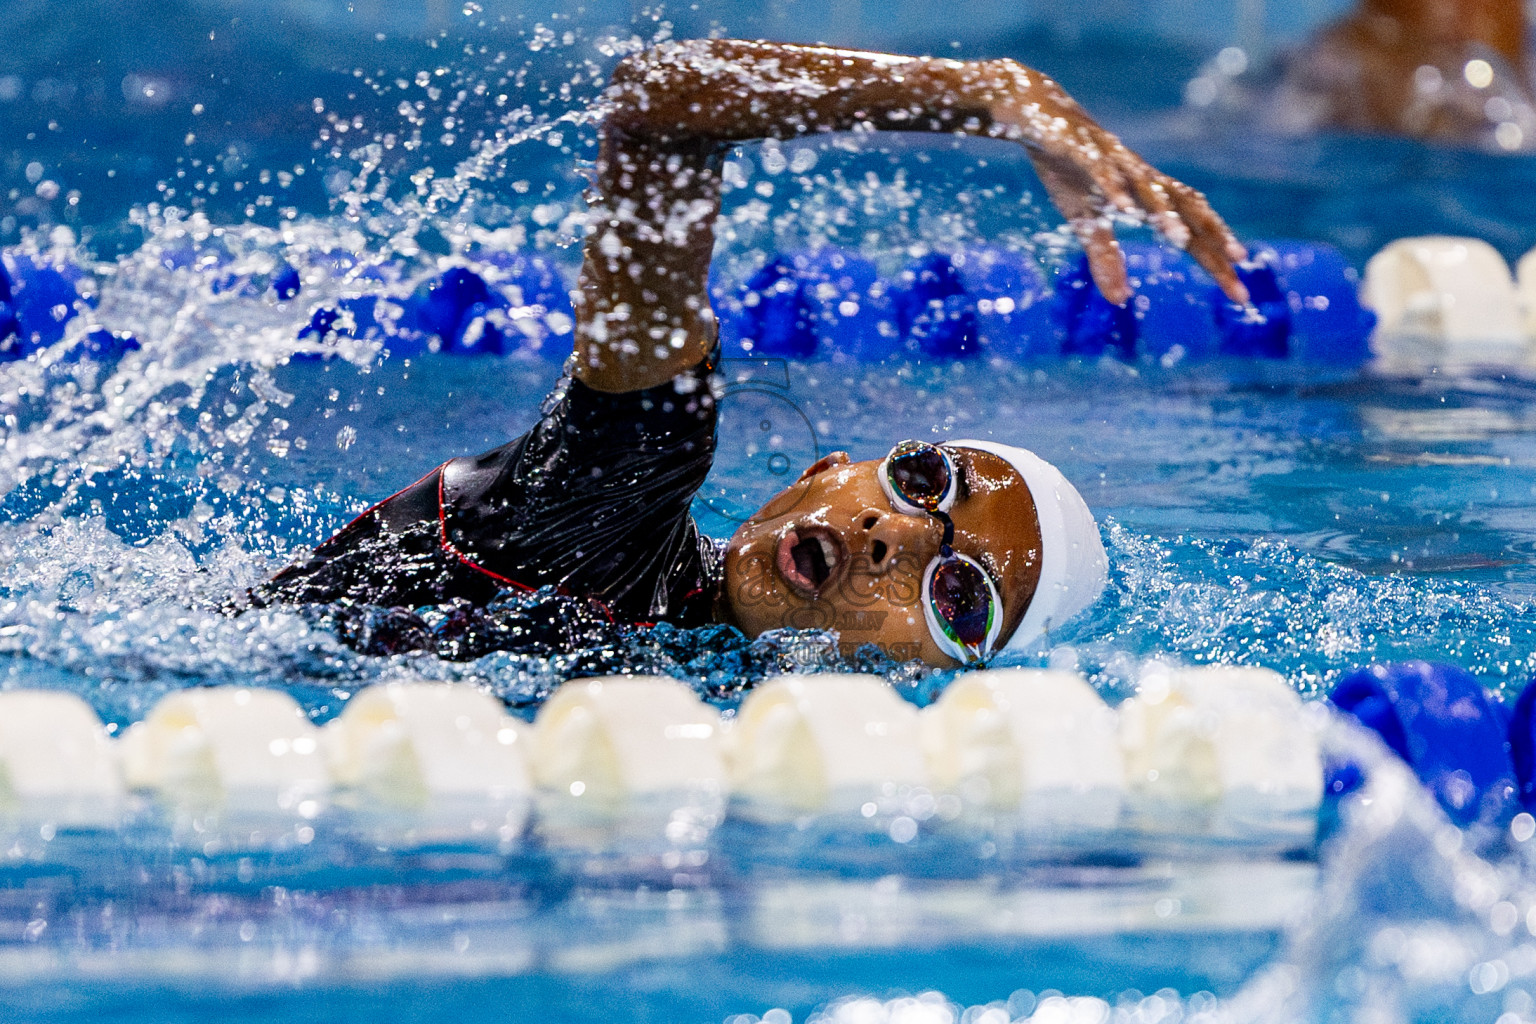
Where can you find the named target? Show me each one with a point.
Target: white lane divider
(1446, 301)
(406, 743)
(1227, 749)
(822, 742)
(1039, 742)
(232, 746)
(1228, 744)
(604, 740)
(56, 758)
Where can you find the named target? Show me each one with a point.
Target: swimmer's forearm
(732, 91)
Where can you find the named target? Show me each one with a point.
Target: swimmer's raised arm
(644, 311)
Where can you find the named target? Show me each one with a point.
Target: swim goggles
(960, 602)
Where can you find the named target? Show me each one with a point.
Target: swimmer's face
(830, 552)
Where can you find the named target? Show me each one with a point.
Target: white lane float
(1229, 746)
(1225, 750)
(1036, 742)
(1525, 286)
(56, 760)
(609, 741)
(803, 743)
(409, 744)
(232, 746)
(1443, 300)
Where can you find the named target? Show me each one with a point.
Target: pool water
(1306, 519)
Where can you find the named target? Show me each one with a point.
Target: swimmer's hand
(1091, 176)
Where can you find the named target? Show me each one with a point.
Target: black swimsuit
(592, 501)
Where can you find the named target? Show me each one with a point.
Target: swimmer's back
(593, 501)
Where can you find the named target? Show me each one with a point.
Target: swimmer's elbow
(643, 82)
(632, 69)
(669, 58)
(630, 89)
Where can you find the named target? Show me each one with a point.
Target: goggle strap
(949, 532)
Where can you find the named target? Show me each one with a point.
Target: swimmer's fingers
(1100, 157)
(1152, 196)
(1073, 193)
(1211, 242)
(1105, 260)
(1183, 216)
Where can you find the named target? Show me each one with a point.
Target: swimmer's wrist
(1037, 112)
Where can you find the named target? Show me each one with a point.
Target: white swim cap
(1073, 566)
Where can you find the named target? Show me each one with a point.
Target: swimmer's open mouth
(808, 558)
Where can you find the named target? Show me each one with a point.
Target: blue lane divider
(356, 317)
(1170, 313)
(285, 282)
(101, 345)
(519, 304)
(782, 322)
(1091, 325)
(461, 311)
(10, 324)
(985, 300)
(850, 307)
(935, 312)
(832, 304)
(771, 318)
(1522, 744)
(540, 299)
(1328, 324)
(1263, 329)
(1013, 302)
(39, 299)
(827, 304)
(1450, 730)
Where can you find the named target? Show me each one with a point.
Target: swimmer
(1452, 71)
(944, 553)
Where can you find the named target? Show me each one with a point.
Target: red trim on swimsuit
(365, 513)
(447, 545)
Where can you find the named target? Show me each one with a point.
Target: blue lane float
(808, 305)
(1327, 322)
(1262, 329)
(38, 299)
(1170, 314)
(515, 304)
(831, 303)
(102, 346)
(10, 324)
(1013, 302)
(286, 283)
(935, 311)
(37, 303)
(457, 308)
(824, 304)
(1522, 744)
(1453, 733)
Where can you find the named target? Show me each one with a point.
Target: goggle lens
(919, 472)
(960, 602)
(962, 599)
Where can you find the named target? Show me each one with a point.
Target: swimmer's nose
(883, 536)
